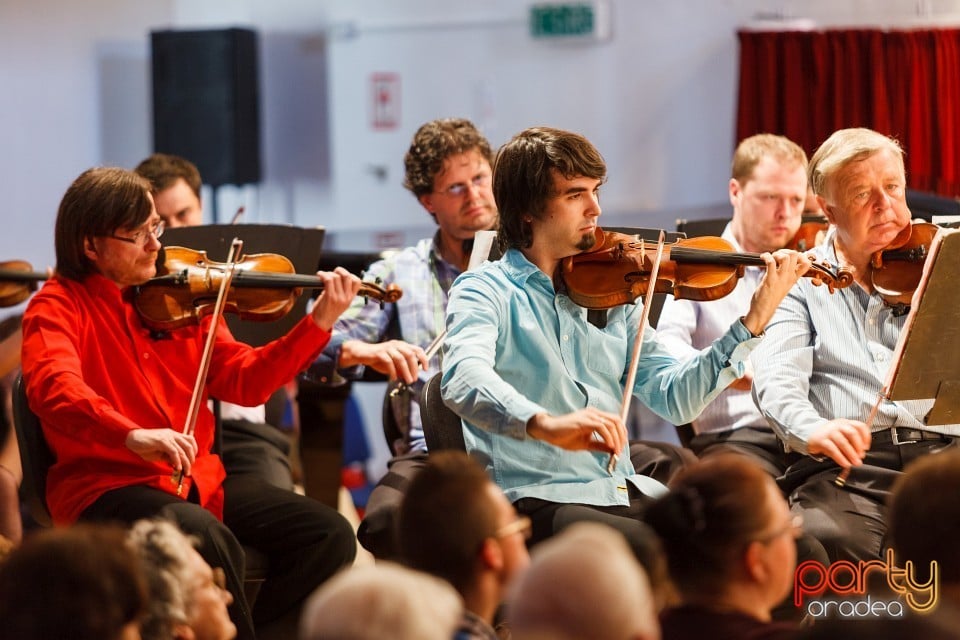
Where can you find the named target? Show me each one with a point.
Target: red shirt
(93, 373)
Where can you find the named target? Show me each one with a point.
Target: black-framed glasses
(142, 236)
(460, 188)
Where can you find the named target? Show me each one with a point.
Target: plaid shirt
(417, 318)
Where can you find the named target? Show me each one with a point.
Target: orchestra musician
(250, 443)
(538, 388)
(448, 169)
(825, 358)
(112, 397)
(767, 189)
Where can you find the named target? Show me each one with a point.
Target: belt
(904, 435)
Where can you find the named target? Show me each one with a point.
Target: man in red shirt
(112, 396)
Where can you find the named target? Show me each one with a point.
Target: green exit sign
(563, 20)
(581, 21)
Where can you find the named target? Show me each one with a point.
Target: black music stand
(927, 358)
(301, 245)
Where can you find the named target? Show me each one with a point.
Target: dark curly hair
(433, 143)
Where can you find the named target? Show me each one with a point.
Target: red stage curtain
(807, 84)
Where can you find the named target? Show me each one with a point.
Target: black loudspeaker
(206, 101)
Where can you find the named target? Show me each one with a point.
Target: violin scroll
(17, 281)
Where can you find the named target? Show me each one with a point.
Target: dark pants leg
(377, 530)
(259, 449)
(659, 460)
(218, 546)
(761, 445)
(850, 521)
(305, 542)
(549, 518)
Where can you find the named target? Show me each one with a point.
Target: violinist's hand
(340, 287)
(843, 441)
(393, 358)
(743, 383)
(583, 429)
(784, 268)
(179, 449)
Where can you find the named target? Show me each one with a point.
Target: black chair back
(442, 428)
(35, 455)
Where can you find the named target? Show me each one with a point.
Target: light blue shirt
(827, 356)
(516, 348)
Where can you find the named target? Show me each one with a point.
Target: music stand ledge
(927, 357)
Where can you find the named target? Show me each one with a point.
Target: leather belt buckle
(900, 436)
(895, 437)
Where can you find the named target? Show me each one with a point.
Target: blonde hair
(384, 600)
(583, 583)
(752, 150)
(843, 147)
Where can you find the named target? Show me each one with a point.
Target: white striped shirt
(826, 356)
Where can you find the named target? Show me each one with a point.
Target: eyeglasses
(794, 526)
(460, 188)
(142, 237)
(521, 525)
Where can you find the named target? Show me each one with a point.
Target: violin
(264, 287)
(617, 271)
(17, 281)
(895, 270)
(809, 233)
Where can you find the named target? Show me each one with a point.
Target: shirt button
(146, 356)
(566, 338)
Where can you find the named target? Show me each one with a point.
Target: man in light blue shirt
(538, 387)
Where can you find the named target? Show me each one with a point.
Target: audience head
(909, 627)
(859, 178)
(768, 188)
(176, 188)
(583, 583)
(100, 203)
(381, 601)
(187, 598)
(448, 170)
(456, 524)
(924, 519)
(525, 173)
(81, 582)
(726, 529)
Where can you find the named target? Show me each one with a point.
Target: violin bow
(191, 422)
(841, 479)
(638, 341)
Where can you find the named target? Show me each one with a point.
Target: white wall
(658, 98)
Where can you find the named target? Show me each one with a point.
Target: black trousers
(305, 542)
(851, 521)
(257, 448)
(760, 444)
(377, 530)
